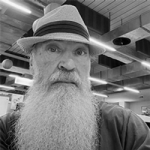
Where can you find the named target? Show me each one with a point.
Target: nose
(67, 64)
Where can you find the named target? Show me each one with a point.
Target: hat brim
(27, 43)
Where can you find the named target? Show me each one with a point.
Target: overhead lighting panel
(13, 75)
(7, 87)
(99, 94)
(23, 81)
(17, 6)
(99, 43)
(147, 64)
(131, 89)
(97, 80)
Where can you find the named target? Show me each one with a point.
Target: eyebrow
(83, 45)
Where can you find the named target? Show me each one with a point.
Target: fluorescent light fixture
(23, 81)
(102, 44)
(97, 80)
(7, 87)
(13, 75)
(99, 94)
(119, 89)
(17, 6)
(132, 90)
(147, 64)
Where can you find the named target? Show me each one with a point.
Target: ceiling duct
(131, 70)
(16, 62)
(135, 30)
(16, 69)
(2, 79)
(92, 19)
(143, 46)
(109, 62)
(129, 96)
(140, 83)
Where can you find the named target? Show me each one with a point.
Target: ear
(31, 65)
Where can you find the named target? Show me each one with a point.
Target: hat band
(62, 26)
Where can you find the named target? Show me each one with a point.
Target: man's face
(53, 56)
(59, 110)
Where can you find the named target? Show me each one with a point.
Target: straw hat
(60, 22)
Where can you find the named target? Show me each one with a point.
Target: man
(60, 111)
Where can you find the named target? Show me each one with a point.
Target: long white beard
(62, 117)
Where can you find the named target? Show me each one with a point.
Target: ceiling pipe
(131, 70)
(135, 30)
(16, 69)
(128, 96)
(14, 56)
(138, 83)
(131, 29)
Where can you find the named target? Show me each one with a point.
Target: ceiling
(111, 19)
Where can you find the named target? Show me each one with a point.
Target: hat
(60, 22)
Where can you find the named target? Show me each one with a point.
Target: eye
(81, 52)
(53, 49)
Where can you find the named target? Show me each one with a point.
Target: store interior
(120, 76)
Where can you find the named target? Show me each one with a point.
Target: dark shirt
(120, 129)
(7, 130)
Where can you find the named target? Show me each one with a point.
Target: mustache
(64, 76)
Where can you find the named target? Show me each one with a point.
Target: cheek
(84, 69)
(47, 68)
(36, 68)
(44, 67)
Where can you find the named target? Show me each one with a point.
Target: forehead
(63, 43)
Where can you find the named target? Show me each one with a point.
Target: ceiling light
(7, 87)
(97, 80)
(119, 89)
(102, 44)
(99, 94)
(23, 81)
(17, 6)
(132, 90)
(147, 64)
(120, 41)
(13, 75)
